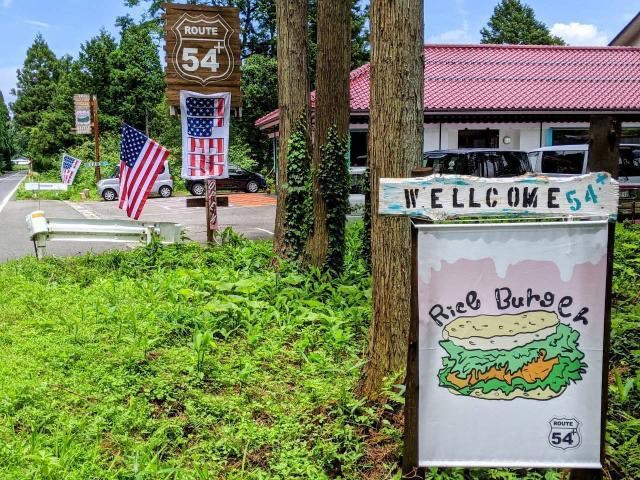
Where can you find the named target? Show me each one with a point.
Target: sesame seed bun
(502, 332)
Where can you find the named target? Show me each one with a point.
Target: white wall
(530, 138)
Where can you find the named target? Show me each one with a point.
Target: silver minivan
(574, 159)
(109, 188)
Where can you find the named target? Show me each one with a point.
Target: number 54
(210, 60)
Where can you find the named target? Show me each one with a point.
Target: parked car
(109, 188)
(574, 160)
(480, 162)
(239, 179)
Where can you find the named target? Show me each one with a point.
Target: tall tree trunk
(332, 104)
(604, 143)
(293, 93)
(604, 156)
(395, 146)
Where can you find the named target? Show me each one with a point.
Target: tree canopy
(35, 81)
(515, 23)
(6, 143)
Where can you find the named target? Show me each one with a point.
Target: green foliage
(6, 137)
(334, 182)
(137, 78)
(366, 220)
(104, 374)
(259, 96)
(35, 82)
(95, 75)
(515, 23)
(52, 133)
(299, 208)
(240, 154)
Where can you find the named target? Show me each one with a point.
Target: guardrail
(43, 229)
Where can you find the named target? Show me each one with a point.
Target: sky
(66, 24)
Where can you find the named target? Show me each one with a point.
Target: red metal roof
(517, 78)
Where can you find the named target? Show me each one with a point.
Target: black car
(239, 179)
(478, 162)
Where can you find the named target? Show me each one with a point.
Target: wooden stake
(96, 134)
(211, 207)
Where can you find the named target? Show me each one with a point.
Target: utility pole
(96, 134)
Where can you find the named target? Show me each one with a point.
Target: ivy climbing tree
(333, 180)
(298, 200)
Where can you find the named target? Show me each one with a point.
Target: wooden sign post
(510, 320)
(212, 208)
(86, 115)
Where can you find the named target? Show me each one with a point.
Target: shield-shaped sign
(203, 52)
(564, 433)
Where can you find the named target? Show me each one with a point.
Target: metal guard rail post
(43, 229)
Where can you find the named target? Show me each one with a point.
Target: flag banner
(141, 161)
(510, 343)
(205, 134)
(69, 168)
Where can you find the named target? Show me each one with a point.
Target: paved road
(250, 215)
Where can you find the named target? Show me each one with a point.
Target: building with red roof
(509, 96)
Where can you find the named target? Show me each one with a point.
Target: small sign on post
(82, 105)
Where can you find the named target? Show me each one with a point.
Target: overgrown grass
(185, 362)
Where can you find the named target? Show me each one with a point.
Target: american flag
(69, 168)
(206, 157)
(205, 107)
(202, 127)
(141, 161)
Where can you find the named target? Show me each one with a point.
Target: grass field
(191, 363)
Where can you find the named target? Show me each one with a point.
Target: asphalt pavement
(252, 215)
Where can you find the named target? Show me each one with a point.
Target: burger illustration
(502, 357)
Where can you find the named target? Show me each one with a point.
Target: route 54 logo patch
(564, 433)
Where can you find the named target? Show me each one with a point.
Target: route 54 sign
(213, 62)
(202, 51)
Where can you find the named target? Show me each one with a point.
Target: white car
(109, 188)
(574, 159)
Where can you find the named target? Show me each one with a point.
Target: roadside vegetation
(189, 362)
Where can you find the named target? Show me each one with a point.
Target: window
(485, 138)
(567, 136)
(451, 163)
(630, 161)
(499, 164)
(562, 161)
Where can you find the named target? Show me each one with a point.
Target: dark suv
(239, 179)
(478, 162)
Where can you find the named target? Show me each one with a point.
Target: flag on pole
(69, 168)
(205, 134)
(141, 161)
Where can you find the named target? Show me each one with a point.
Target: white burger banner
(511, 325)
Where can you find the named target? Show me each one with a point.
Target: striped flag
(206, 157)
(141, 161)
(69, 168)
(205, 134)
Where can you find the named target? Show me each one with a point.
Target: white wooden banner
(46, 186)
(82, 103)
(510, 343)
(441, 196)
